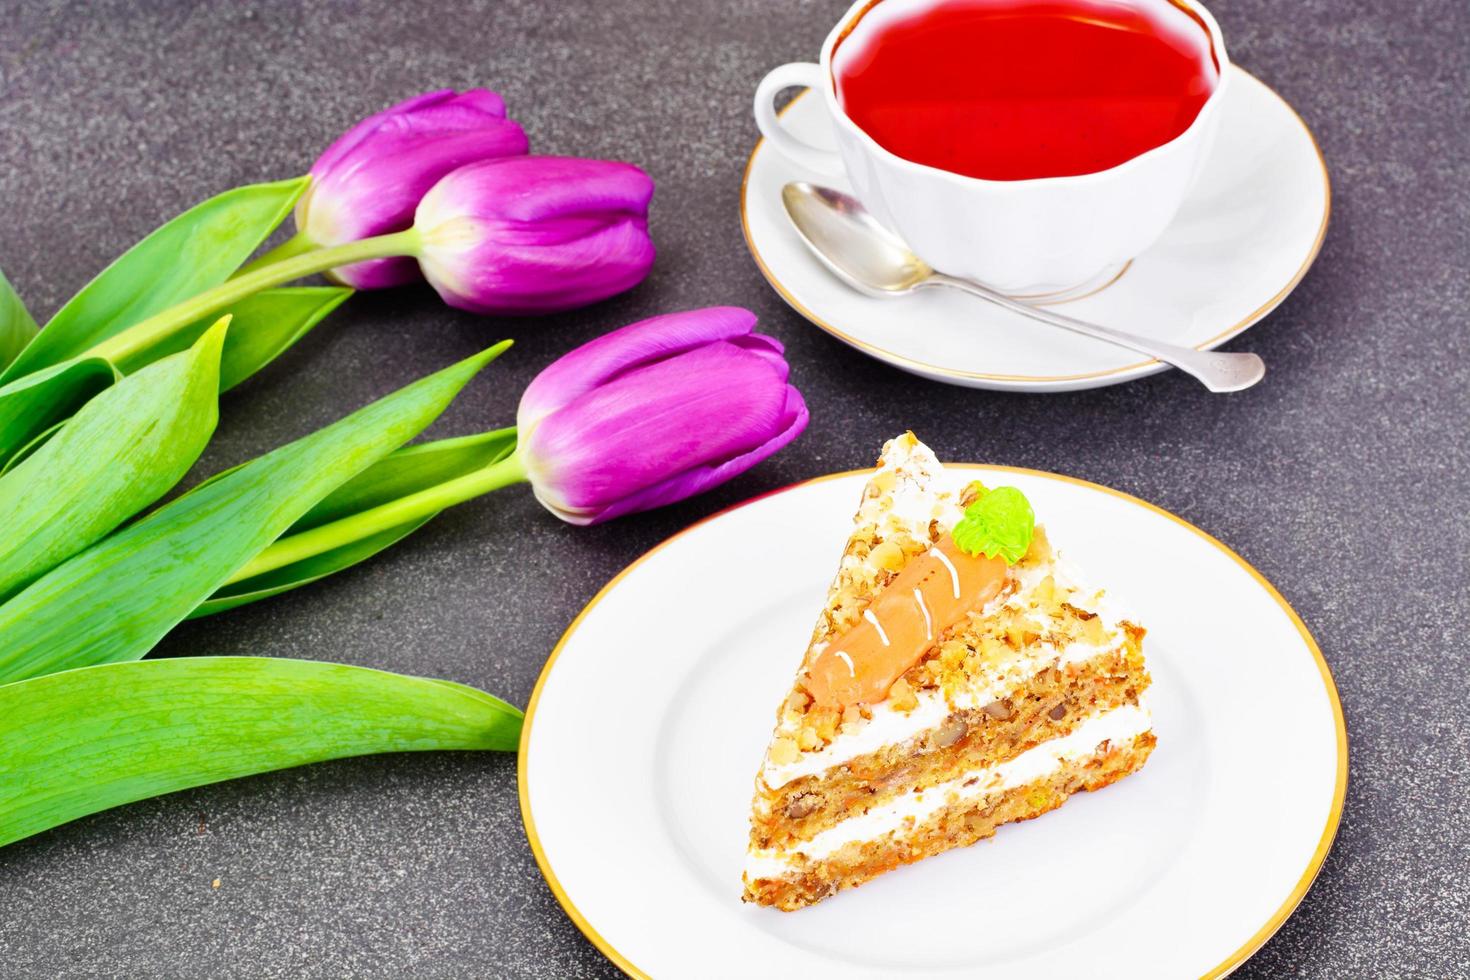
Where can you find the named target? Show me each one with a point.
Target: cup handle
(801, 74)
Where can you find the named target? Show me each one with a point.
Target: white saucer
(646, 728)
(1242, 241)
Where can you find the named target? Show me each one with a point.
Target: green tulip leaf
(34, 404)
(304, 572)
(409, 470)
(398, 474)
(122, 451)
(262, 327)
(86, 740)
(115, 600)
(24, 452)
(17, 328)
(199, 249)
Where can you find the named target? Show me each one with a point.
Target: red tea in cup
(1019, 89)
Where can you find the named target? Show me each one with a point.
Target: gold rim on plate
(888, 356)
(1230, 963)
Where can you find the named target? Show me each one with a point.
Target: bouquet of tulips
(105, 409)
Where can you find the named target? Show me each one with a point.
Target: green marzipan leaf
(262, 327)
(122, 451)
(17, 327)
(31, 405)
(199, 249)
(399, 474)
(999, 522)
(86, 740)
(115, 600)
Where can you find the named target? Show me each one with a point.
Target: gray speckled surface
(1342, 477)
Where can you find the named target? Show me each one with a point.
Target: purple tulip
(535, 234)
(655, 412)
(370, 181)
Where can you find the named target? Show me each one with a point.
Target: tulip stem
(297, 244)
(425, 503)
(146, 333)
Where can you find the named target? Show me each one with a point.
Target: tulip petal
(610, 356)
(572, 264)
(345, 144)
(535, 234)
(700, 478)
(705, 406)
(767, 347)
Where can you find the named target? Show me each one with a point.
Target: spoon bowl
(847, 239)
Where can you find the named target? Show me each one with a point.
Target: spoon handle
(1217, 370)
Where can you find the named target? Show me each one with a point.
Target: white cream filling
(1118, 725)
(889, 726)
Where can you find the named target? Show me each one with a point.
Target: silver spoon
(865, 255)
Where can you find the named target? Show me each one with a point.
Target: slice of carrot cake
(960, 677)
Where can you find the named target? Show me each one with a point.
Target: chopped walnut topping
(888, 555)
(901, 696)
(1094, 632)
(882, 482)
(1040, 551)
(783, 752)
(824, 722)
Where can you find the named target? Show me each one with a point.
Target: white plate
(645, 731)
(1242, 241)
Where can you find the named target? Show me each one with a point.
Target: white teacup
(1022, 236)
